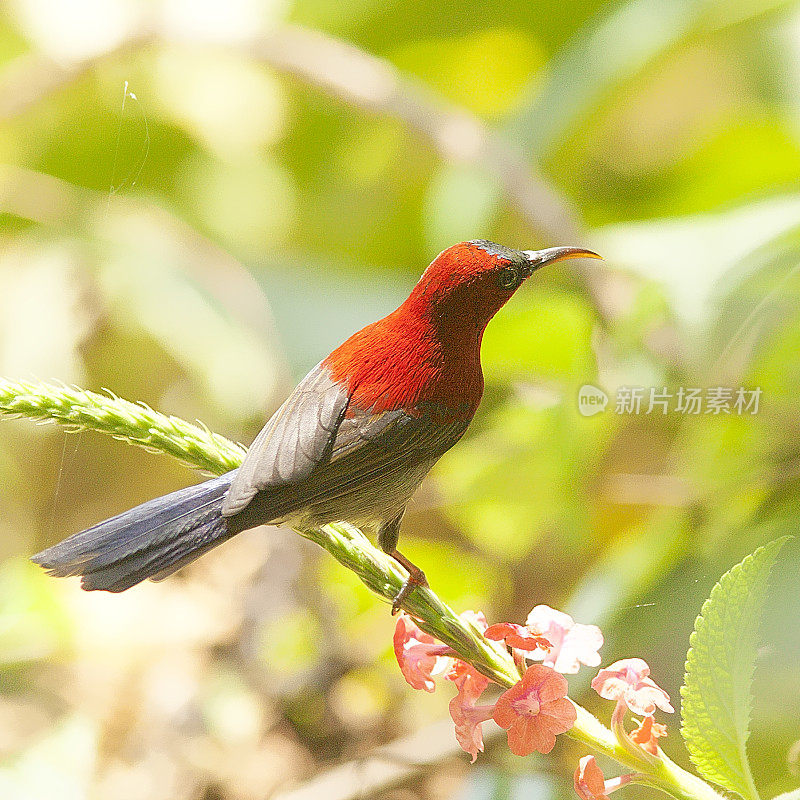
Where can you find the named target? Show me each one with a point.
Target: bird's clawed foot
(416, 577)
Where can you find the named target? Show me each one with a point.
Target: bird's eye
(508, 278)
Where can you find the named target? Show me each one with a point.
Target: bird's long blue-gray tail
(149, 541)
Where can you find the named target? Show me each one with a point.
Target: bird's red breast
(399, 362)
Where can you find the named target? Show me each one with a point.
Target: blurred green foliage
(188, 223)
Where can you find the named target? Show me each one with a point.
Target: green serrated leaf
(719, 670)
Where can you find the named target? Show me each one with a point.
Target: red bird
(352, 442)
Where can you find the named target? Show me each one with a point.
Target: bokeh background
(198, 200)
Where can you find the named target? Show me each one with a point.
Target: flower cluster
(536, 709)
(628, 682)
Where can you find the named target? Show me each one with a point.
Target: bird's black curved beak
(538, 258)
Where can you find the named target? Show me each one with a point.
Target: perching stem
(195, 445)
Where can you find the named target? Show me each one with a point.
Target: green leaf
(719, 670)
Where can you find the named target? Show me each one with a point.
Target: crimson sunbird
(351, 443)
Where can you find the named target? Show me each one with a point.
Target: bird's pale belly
(366, 505)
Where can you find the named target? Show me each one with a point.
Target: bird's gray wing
(297, 437)
(375, 461)
(318, 447)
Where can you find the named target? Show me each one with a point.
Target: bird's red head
(467, 284)
(428, 350)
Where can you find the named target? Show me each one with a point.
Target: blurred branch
(374, 85)
(138, 424)
(357, 78)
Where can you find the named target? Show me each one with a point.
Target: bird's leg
(416, 577)
(387, 539)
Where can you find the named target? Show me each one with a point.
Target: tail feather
(149, 541)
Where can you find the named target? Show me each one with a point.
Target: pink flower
(571, 643)
(518, 636)
(535, 711)
(626, 681)
(469, 682)
(590, 783)
(467, 718)
(648, 733)
(419, 655)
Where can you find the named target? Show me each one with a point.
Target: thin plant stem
(197, 446)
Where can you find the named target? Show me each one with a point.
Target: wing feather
(318, 448)
(292, 442)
